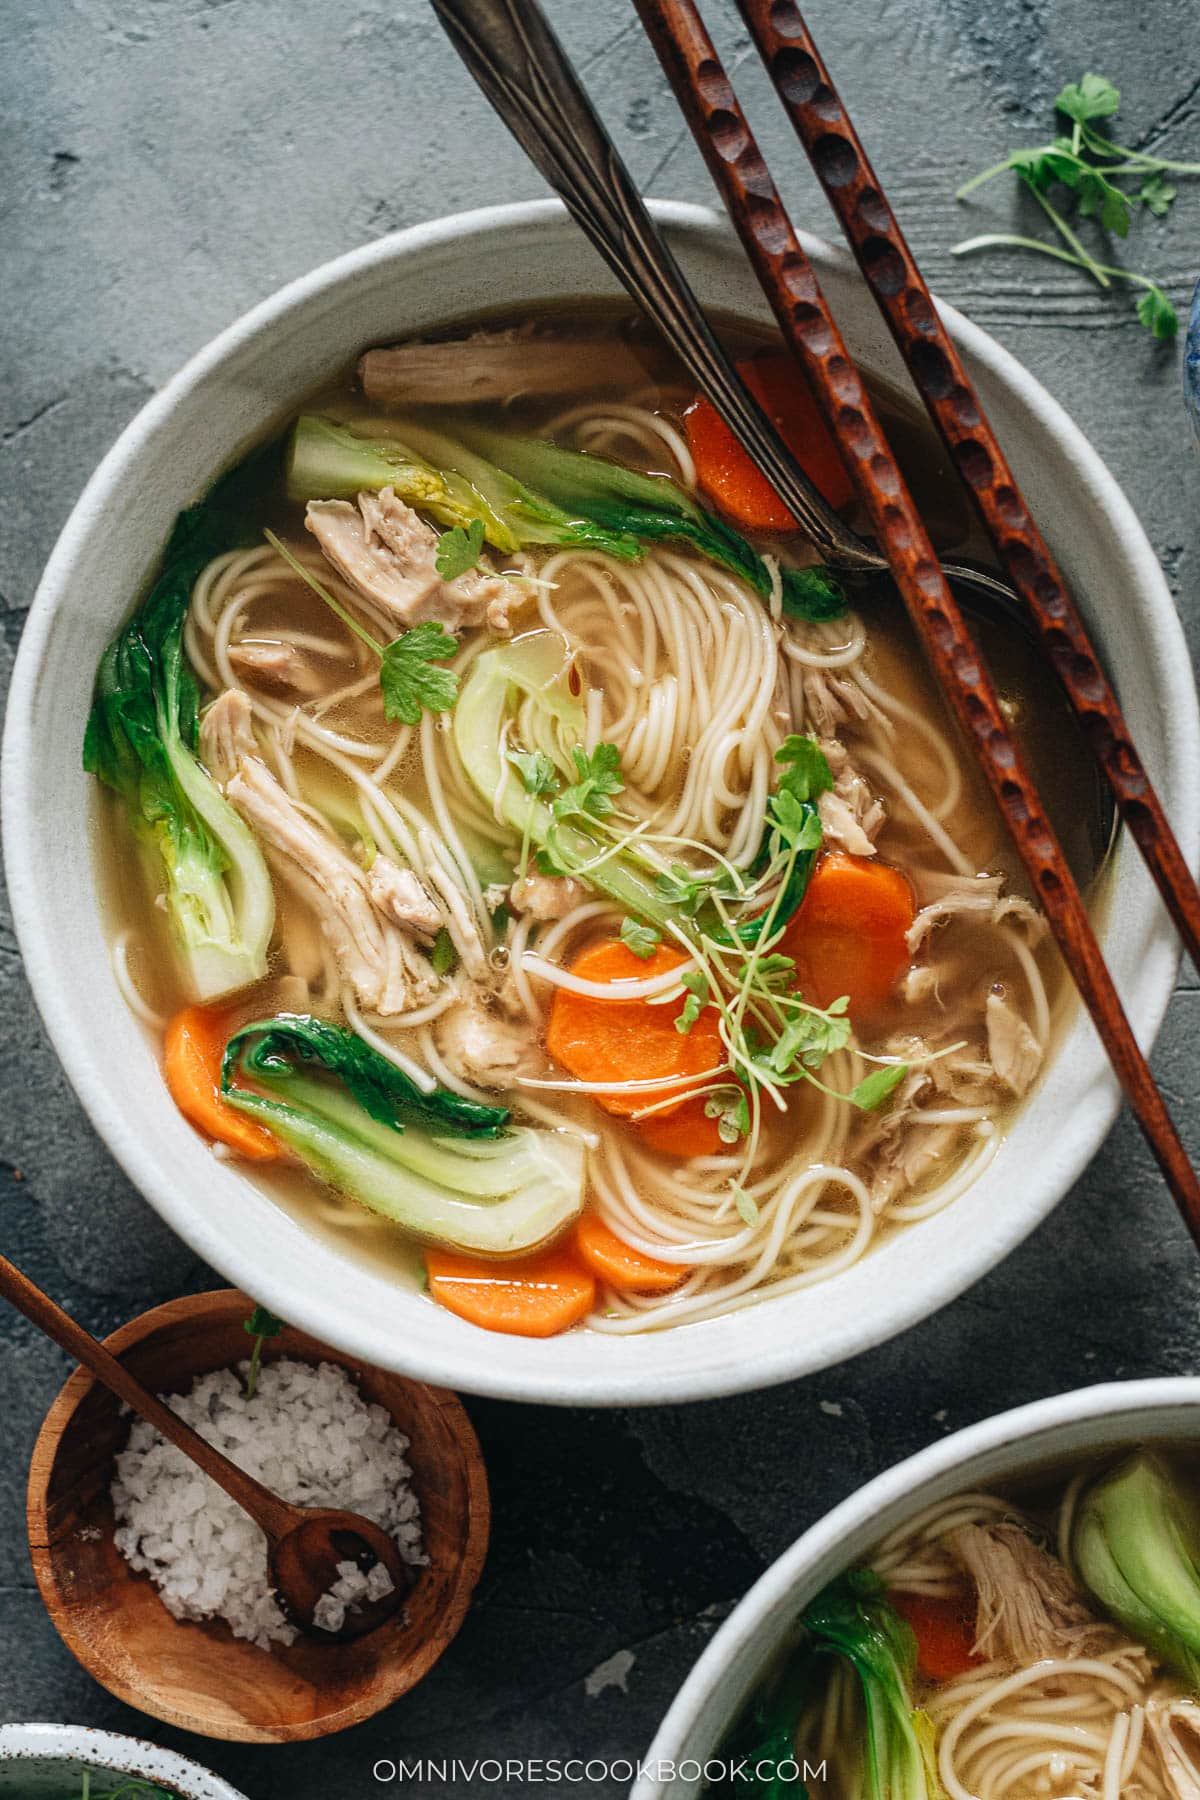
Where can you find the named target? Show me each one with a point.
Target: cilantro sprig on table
(1103, 182)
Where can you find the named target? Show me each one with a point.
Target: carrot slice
(192, 1049)
(629, 1040)
(727, 474)
(849, 933)
(943, 1630)
(684, 1130)
(612, 1260)
(529, 1296)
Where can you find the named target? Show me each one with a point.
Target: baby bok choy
(141, 741)
(851, 1619)
(445, 1168)
(528, 492)
(1136, 1546)
(436, 475)
(653, 509)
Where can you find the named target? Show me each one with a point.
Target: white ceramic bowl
(41, 1762)
(228, 396)
(1118, 1415)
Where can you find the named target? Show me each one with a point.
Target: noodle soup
(1006, 1645)
(546, 879)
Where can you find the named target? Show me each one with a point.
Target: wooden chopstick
(787, 279)
(841, 166)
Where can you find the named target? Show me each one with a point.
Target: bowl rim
(61, 1413)
(903, 1486)
(115, 1753)
(465, 1364)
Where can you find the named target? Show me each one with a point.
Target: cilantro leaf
(1092, 97)
(1097, 198)
(261, 1325)
(411, 685)
(643, 940)
(443, 956)
(696, 983)
(1157, 193)
(537, 772)
(806, 772)
(1158, 315)
(599, 779)
(877, 1087)
(795, 823)
(459, 550)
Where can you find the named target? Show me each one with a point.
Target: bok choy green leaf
(529, 492)
(444, 1168)
(653, 510)
(438, 476)
(141, 741)
(852, 1618)
(1136, 1545)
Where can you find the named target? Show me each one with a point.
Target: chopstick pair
(522, 69)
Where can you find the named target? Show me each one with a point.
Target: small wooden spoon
(304, 1544)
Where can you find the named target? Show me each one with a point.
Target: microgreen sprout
(1087, 167)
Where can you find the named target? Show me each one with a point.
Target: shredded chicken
(483, 1047)
(831, 699)
(920, 983)
(496, 365)
(378, 959)
(1015, 1052)
(278, 668)
(907, 1159)
(902, 1151)
(1026, 1605)
(966, 896)
(460, 920)
(1174, 1726)
(546, 896)
(386, 551)
(400, 896)
(841, 829)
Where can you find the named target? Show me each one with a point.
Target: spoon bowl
(307, 1561)
(201, 1678)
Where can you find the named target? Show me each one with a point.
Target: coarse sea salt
(310, 1437)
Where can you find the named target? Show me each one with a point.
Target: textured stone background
(169, 163)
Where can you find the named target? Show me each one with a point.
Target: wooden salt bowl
(200, 1677)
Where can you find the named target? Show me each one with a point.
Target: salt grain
(310, 1437)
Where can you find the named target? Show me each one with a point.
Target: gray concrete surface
(171, 161)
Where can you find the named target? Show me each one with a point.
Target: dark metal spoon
(518, 62)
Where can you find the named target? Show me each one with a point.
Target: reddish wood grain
(841, 165)
(724, 136)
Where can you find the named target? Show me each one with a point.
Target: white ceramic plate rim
(112, 1752)
(476, 1363)
(817, 1554)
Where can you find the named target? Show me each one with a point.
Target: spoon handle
(271, 1514)
(518, 62)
